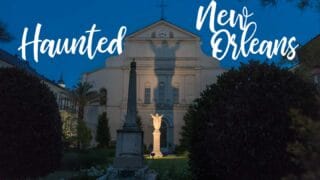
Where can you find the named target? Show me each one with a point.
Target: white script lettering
(249, 44)
(84, 44)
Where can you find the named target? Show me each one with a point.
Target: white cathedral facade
(171, 72)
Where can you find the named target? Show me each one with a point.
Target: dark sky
(67, 19)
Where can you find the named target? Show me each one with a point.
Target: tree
(30, 127)
(139, 122)
(307, 153)
(103, 131)
(4, 35)
(242, 125)
(308, 56)
(103, 93)
(69, 128)
(301, 4)
(187, 128)
(84, 135)
(83, 95)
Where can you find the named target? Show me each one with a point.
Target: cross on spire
(162, 7)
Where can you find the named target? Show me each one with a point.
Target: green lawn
(74, 161)
(170, 167)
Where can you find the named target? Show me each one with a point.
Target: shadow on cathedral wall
(166, 94)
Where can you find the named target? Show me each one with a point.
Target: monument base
(129, 161)
(129, 149)
(126, 174)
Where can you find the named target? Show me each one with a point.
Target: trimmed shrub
(84, 135)
(30, 126)
(242, 127)
(103, 131)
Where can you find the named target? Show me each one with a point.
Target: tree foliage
(103, 130)
(301, 4)
(82, 95)
(139, 122)
(4, 35)
(309, 58)
(103, 93)
(240, 127)
(84, 135)
(69, 128)
(187, 129)
(30, 127)
(307, 153)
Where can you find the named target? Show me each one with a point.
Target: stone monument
(129, 161)
(156, 135)
(129, 147)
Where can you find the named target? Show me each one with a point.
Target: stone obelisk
(129, 147)
(128, 163)
(156, 135)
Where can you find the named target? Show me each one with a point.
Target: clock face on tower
(162, 33)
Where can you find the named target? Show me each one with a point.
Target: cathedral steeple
(162, 8)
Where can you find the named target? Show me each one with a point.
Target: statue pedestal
(156, 144)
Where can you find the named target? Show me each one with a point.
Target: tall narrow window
(103, 96)
(147, 95)
(161, 92)
(60, 101)
(176, 95)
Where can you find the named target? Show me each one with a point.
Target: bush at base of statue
(30, 127)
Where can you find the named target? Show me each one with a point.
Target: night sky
(67, 19)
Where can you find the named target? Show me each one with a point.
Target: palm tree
(82, 96)
(4, 35)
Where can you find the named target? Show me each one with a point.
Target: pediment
(162, 30)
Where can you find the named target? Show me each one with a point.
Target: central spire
(131, 117)
(162, 7)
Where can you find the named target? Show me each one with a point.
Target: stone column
(129, 147)
(156, 135)
(129, 161)
(131, 117)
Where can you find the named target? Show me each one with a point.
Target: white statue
(156, 121)
(156, 152)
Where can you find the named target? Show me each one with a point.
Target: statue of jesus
(156, 121)
(156, 135)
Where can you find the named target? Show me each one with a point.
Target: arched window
(147, 94)
(103, 96)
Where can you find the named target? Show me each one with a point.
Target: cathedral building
(172, 71)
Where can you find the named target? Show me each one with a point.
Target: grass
(168, 167)
(76, 160)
